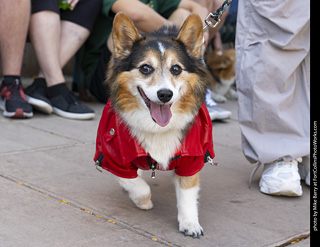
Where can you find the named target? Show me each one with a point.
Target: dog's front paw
(191, 229)
(218, 97)
(232, 94)
(144, 204)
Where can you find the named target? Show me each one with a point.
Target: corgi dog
(156, 118)
(223, 74)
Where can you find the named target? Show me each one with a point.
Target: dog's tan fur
(222, 64)
(188, 182)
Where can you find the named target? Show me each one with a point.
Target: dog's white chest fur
(161, 146)
(161, 143)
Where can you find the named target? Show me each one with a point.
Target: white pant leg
(273, 78)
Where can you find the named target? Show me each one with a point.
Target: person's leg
(68, 38)
(55, 42)
(272, 81)
(76, 26)
(45, 32)
(81, 21)
(65, 104)
(45, 37)
(14, 19)
(72, 38)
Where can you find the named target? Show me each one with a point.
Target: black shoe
(36, 95)
(13, 101)
(65, 104)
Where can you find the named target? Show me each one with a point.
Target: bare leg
(72, 38)
(57, 46)
(55, 42)
(14, 20)
(45, 36)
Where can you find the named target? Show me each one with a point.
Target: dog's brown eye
(175, 69)
(146, 69)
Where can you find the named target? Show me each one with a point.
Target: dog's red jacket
(123, 155)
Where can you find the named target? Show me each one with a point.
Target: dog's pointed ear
(124, 34)
(191, 35)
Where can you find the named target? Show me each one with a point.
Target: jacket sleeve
(107, 144)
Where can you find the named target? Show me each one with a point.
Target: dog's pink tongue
(161, 114)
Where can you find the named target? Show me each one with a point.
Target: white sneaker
(214, 110)
(307, 180)
(281, 178)
(304, 169)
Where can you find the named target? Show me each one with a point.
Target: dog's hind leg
(139, 191)
(187, 189)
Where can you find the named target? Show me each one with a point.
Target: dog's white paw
(232, 94)
(139, 192)
(192, 229)
(218, 97)
(144, 204)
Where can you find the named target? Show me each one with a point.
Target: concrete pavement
(52, 195)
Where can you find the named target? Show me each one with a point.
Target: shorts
(84, 14)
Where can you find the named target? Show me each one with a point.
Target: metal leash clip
(97, 163)
(216, 15)
(210, 161)
(209, 23)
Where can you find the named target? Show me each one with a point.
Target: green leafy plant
(63, 4)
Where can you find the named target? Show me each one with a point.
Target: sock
(40, 82)
(59, 89)
(9, 79)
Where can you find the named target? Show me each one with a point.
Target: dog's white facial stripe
(161, 78)
(162, 49)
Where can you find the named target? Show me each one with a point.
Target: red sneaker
(13, 101)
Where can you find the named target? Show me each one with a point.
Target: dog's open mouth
(160, 113)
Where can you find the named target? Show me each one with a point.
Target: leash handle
(216, 16)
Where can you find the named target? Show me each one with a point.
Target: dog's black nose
(165, 95)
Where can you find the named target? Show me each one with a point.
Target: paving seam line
(291, 240)
(29, 125)
(46, 148)
(85, 209)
